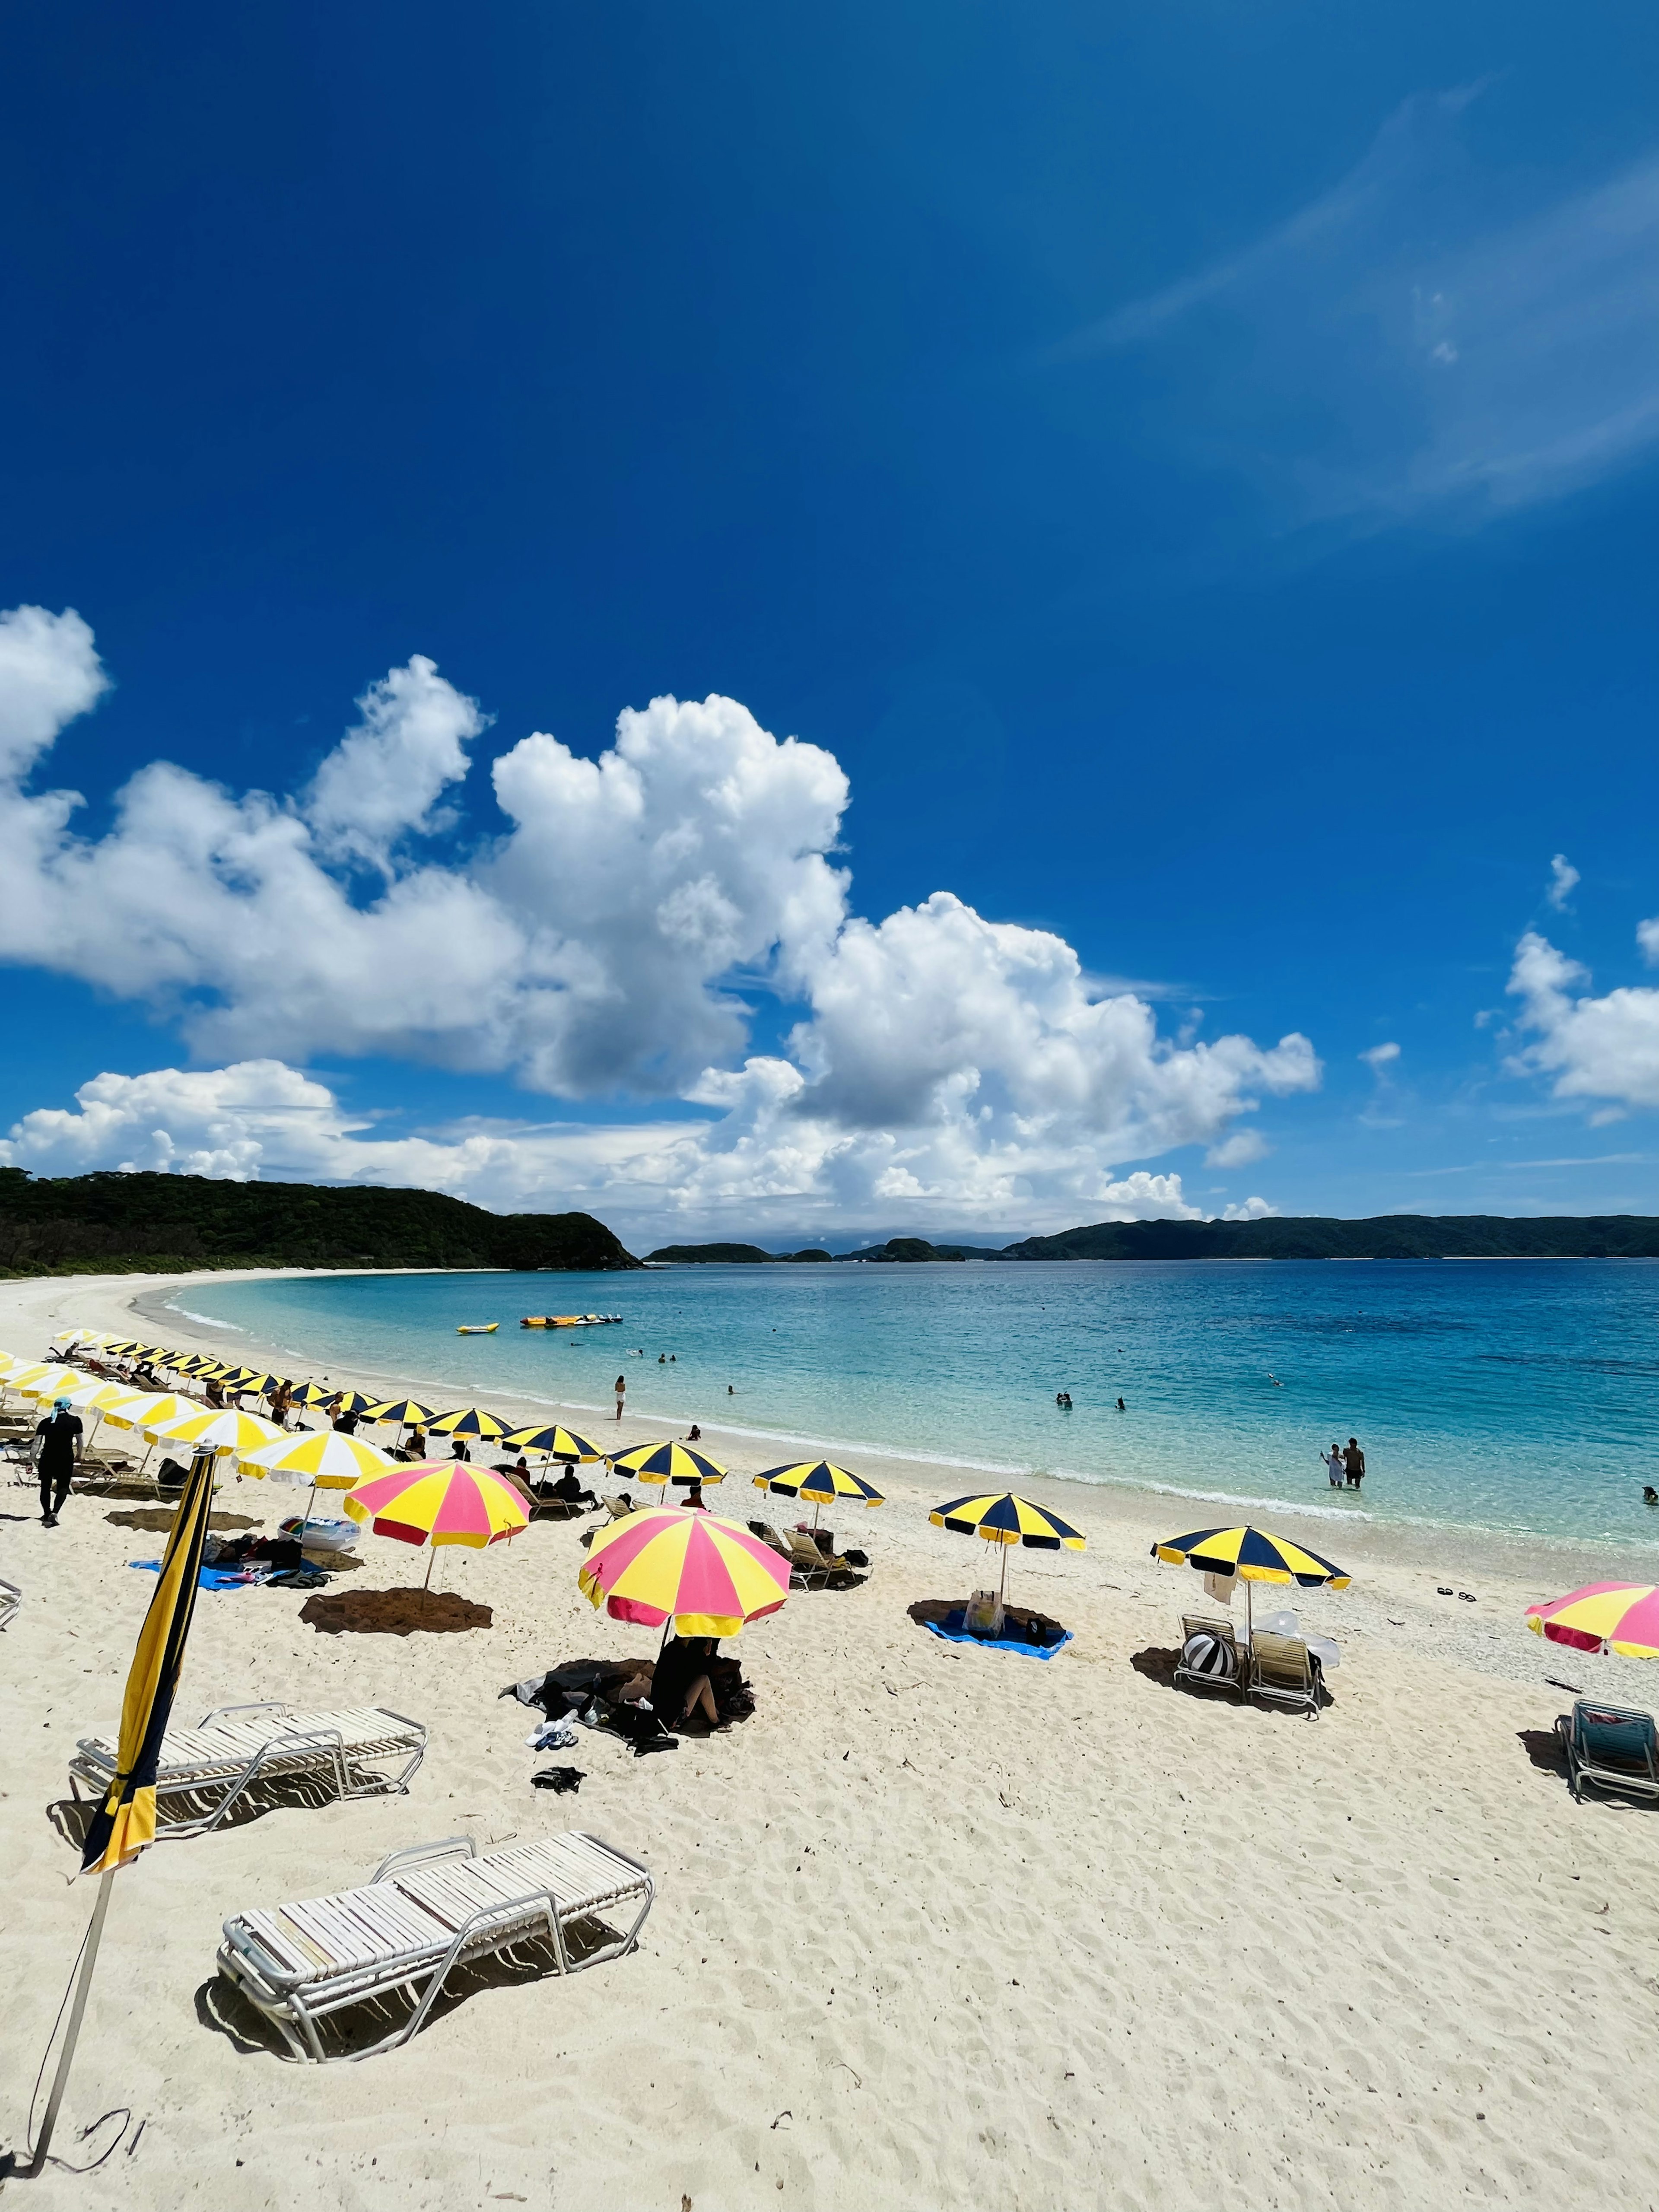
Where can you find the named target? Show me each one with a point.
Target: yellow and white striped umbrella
(322, 1458)
(152, 1408)
(212, 1431)
(49, 1382)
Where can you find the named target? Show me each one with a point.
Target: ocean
(1514, 1396)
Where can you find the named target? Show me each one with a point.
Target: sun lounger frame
(408, 1944)
(1280, 1651)
(1196, 1624)
(314, 1751)
(1584, 1768)
(11, 1603)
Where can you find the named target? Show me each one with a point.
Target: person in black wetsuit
(58, 1447)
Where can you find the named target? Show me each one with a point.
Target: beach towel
(952, 1631)
(209, 1578)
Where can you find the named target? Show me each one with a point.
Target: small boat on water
(568, 1321)
(477, 1329)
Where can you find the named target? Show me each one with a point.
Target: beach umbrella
(311, 1393)
(1001, 1518)
(555, 1440)
(348, 1401)
(70, 1337)
(152, 1408)
(92, 1395)
(322, 1458)
(707, 1575)
(1621, 1616)
(124, 1823)
(49, 1382)
(122, 1345)
(1253, 1554)
(214, 1430)
(821, 1483)
(466, 1421)
(680, 1464)
(404, 1410)
(439, 1501)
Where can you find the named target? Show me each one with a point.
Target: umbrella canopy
(818, 1480)
(1621, 1616)
(67, 1337)
(122, 1344)
(1255, 1554)
(406, 1411)
(93, 1390)
(1007, 1519)
(709, 1576)
(322, 1458)
(251, 1378)
(47, 1382)
(311, 1393)
(439, 1501)
(466, 1421)
(347, 1401)
(214, 1431)
(153, 1408)
(680, 1464)
(555, 1440)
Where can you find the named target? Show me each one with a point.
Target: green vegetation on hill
(718, 1255)
(914, 1250)
(1386, 1236)
(163, 1224)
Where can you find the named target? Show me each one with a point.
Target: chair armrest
(450, 1847)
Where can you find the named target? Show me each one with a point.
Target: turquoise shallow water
(1511, 1395)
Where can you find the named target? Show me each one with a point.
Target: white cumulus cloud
(608, 939)
(1380, 1056)
(1591, 1047)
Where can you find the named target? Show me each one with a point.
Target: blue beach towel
(213, 1578)
(952, 1631)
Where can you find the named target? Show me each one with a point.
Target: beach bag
(1206, 1656)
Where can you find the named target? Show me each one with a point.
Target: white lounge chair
(1284, 1672)
(422, 1912)
(11, 1600)
(236, 1745)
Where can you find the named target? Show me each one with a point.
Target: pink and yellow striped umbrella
(1621, 1616)
(711, 1575)
(439, 1501)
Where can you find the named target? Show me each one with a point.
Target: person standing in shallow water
(621, 1393)
(1354, 1461)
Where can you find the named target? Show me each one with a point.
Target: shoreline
(934, 1919)
(1398, 1567)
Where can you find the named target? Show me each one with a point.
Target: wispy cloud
(1423, 335)
(1564, 879)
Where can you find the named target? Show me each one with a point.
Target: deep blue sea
(1511, 1395)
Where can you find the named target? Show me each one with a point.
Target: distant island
(174, 1224)
(1307, 1236)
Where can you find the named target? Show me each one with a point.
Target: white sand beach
(937, 1926)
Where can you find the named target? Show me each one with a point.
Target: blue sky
(1191, 471)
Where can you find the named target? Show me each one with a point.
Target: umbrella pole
(60, 2081)
(431, 1554)
(1002, 1587)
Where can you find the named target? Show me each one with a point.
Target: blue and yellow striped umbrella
(819, 1481)
(1003, 1518)
(555, 1440)
(680, 1464)
(1255, 1554)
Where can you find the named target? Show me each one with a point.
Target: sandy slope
(936, 1927)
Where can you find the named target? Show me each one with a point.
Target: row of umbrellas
(696, 1568)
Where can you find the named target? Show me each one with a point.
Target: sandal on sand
(1442, 1589)
(1468, 1598)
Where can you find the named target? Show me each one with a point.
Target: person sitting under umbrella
(694, 1499)
(680, 1688)
(569, 1487)
(460, 1451)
